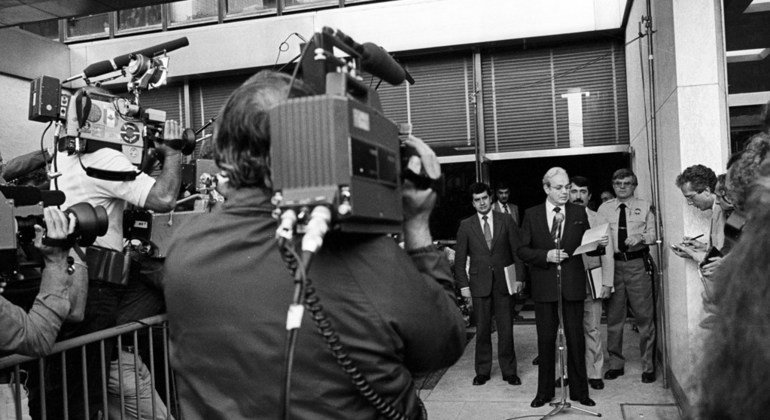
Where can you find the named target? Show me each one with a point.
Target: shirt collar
(549, 208)
(628, 202)
(489, 217)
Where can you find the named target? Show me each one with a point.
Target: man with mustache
(580, 194)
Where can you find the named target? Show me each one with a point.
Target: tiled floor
(454, 396)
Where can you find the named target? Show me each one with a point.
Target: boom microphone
(378, 62)
(107, 66)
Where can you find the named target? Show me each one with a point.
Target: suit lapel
(543, 219)
(476, 228)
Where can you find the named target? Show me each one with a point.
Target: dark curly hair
(242, 132)
(743, 171)
(478, 188)
(700, 177)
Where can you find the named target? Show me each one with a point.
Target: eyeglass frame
(623, 184)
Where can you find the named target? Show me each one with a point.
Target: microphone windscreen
(160, 48)
(22, 195)
(98, 68)
(378, 62)
(107, 66)
(52, 197)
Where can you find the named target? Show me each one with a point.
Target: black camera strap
(110, 175)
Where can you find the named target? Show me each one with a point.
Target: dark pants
(633, 286)
(100, 313)
(501, 304)
(547, 323)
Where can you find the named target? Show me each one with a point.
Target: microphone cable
(303, 288)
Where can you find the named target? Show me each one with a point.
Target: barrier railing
(128, 385)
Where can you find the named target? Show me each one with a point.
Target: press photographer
(34, 332)
(387, 313)
(102, 140)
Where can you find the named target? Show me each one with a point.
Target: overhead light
(756, 54)
(758, 6)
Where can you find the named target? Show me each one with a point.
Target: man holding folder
(489, 238)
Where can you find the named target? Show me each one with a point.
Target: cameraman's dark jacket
(227, 293)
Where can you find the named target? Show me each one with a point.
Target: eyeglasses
(723, 196)
(689, 197)
(623, 184)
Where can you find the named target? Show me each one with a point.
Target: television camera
(336, 148)
(150, 233)
(92, 118)
(21, 208)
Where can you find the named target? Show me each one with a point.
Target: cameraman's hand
(172, 131)
(58, 226)
(419, 203)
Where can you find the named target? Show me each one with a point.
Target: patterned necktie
(487, 232)
(555, 224)
(622, 229)
(505, 208)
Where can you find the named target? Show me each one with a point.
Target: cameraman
(34, 333)
(104, 293)
(227, 292)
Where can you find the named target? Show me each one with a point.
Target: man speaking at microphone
(544, 226)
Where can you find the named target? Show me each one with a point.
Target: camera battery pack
(44, 99)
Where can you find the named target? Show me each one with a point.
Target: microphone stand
(563, 403)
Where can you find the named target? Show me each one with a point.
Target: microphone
(374, 59)
(28, 196)
(107, 66)
(558, 218)
(378, 62)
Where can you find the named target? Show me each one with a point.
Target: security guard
(633, 228)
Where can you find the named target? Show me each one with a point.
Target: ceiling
(16, 12)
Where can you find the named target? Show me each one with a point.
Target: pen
(692, 239)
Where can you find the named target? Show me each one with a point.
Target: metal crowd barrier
(60, 351)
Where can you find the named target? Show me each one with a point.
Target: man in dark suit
(539, 231)
(490, 239)
(503, 204)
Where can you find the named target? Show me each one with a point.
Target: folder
(511, 281)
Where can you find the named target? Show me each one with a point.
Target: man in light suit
(540, 231)
(489, 238)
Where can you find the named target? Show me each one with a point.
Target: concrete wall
(692, 127)
(396, 26)
(24, 57)
(18, 135)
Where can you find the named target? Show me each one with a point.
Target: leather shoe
(536, 360)
(586, 401)
(539, 402)
(596, 383)
(648, 377)
(557, 384)
(513, 380)
(480, 379)
(613, 373)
